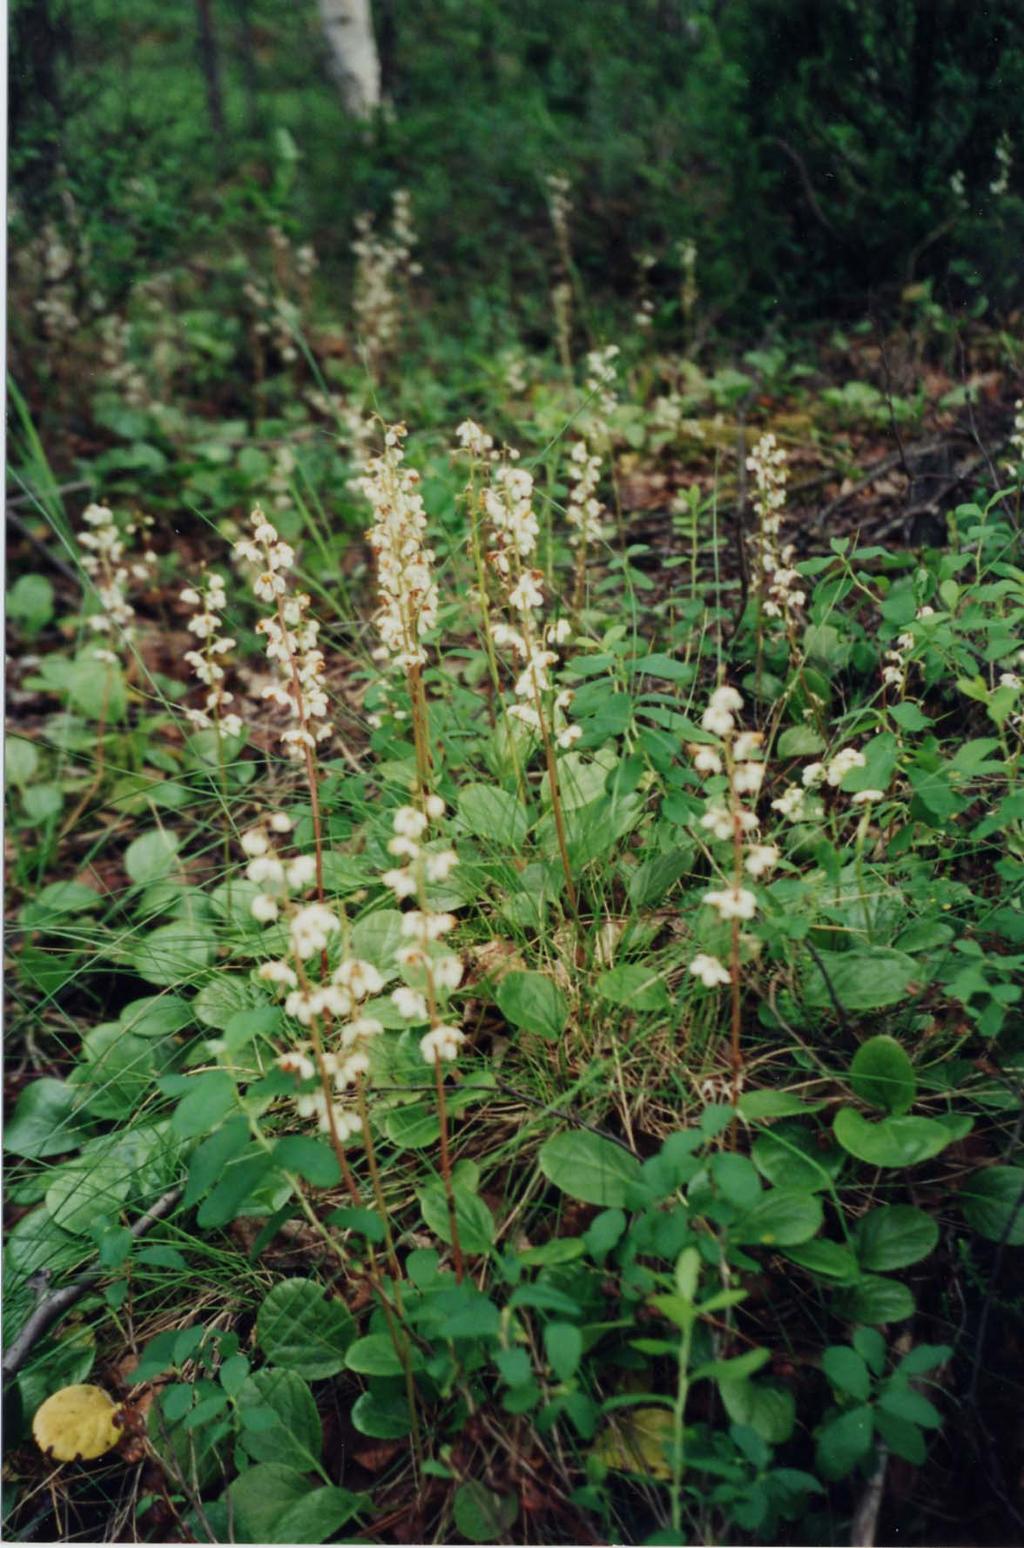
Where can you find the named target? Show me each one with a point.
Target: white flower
(265, 870)
(296, 1063)
(254, 842)
(447, 972)
(359, 978)
(473, 439)
(347, 1123)
(842, 763)
(311, 928)
(408, 822)
(526, 593)
(718, 721)
(301, 873)
(761, 858)
(569, 735)
(277, 973)
(361, 1027)
(790, 803)
(426, 927)
(709, 970)
(441, 1043)
(867, 797)
(280, 822)
(747, 745)
(409, 1003)
(707, 761)
(747, 778)
(263, 908)
(434, 807)
(718, 821)
(732, 903)
(726, 698)
(401, 882)
(813, 775)
(439, 866)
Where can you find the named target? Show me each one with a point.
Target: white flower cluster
(334, 1002)
(434, 971)
(350, 1062)
(777, 582)
(688, 292)
(55, 262)
(475, 441)
(599, 383)
(1004, 161)
(561, 305)
(727, 820)
(280, 478)
(793, 802)
(291, 636)
(407, 592)
(514, 529)
(894, 673)
(583, 510)
(117, 366)
(104, 559)
(1016, 467)
(383, 263)
(643, 317)
(210, 599)
(277, 318)
(512, 367)
(277, 878)
(559, 194)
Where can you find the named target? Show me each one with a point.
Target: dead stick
(53, 1306)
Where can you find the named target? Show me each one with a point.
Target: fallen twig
(53, 1306)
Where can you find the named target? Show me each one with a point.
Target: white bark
(348, 29)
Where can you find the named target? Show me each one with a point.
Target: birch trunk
(355, 65)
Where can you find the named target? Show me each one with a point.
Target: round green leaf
(493, 814)
(298, 1329)
(845, 1441)
(992, 1202)
(473, 1219)
(21, 759)
(481, 1515)
(633, 986)
(318, 1516)
(151, 856)
(860, 980)
(768, 1409)
(894, 1236)
(86, 1191)
(261, 1495)
(533, 1001)
(173, 954)
(382, 1415)
(590, 1168)
(894, 1142)
(875, 1300)
(41, 1124)
(374, 1355)
(882, 1075)
(783, 1217)
(295, 1437)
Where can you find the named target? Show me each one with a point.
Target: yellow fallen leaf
(77, 1423)
(637, 1442)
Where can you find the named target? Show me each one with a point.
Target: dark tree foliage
(808, 146)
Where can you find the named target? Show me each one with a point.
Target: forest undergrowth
(515, 928)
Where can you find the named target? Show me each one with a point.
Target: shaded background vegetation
(807, 145)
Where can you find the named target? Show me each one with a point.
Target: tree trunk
(348, 29)
(209, 61)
